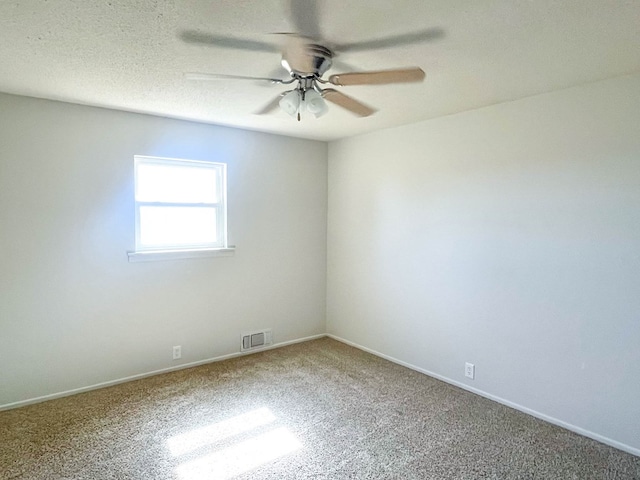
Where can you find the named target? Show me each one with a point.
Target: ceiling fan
(306, 57)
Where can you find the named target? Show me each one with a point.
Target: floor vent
(252, 340)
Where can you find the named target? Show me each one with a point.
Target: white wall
(74, 312)
(508, 237)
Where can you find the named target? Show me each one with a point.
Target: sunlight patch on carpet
(200, 437)
(240, 458)
(229, 461)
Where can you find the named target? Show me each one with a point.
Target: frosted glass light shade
(314, 103)
(290, 102)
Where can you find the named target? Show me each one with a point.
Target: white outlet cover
(177, 352)
(469, 370)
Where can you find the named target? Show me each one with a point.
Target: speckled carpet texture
(315, 410)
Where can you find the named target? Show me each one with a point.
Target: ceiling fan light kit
(290, 102)
(306, 57)
(315, 103)
(304, 98)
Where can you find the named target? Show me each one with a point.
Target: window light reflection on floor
(194, 439)
(238, 458)
(242, 457)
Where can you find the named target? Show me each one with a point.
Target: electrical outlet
(470, 370)
(177, 352)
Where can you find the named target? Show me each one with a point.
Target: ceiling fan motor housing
(306, 59)
(321, 58)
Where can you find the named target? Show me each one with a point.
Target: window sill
(152, 256)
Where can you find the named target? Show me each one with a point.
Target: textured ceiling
(127, 55)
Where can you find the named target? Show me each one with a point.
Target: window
(180, 205)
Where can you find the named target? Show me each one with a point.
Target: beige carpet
(315, 410)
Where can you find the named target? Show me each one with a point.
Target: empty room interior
(320, 239)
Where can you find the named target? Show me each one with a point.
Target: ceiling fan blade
(394, 41)
(404, 75)
(296, 54)
(339, 65)
(279, 72)
(271, 106)
(304, 16)
(219, 76)
(193, 36)
(347, 102)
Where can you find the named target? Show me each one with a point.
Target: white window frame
(218, 248)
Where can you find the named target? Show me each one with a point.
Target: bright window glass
(180, 204)
(177, 183)
(160, 226)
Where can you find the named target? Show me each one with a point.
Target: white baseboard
(66, 393)
(534, 413)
